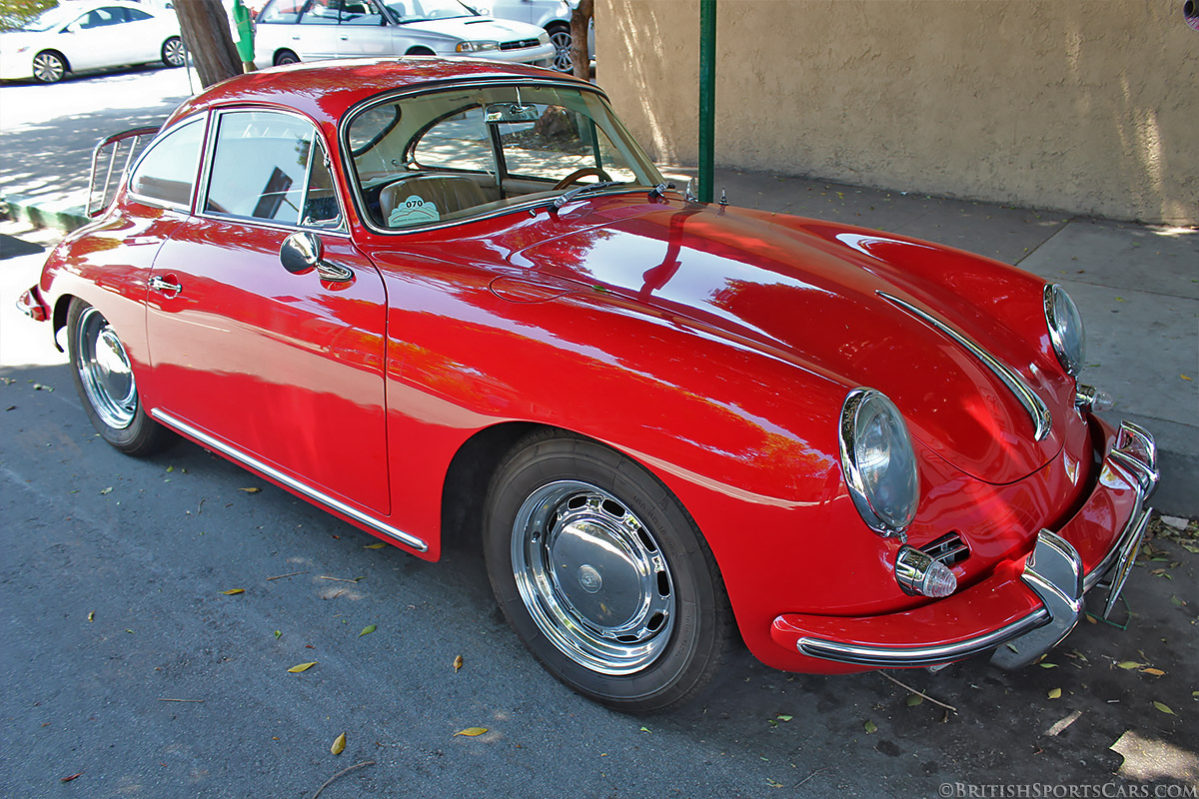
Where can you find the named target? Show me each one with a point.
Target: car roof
(325, 90)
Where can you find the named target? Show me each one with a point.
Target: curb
(35, 214)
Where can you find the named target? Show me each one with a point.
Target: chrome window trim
(439, 86)
(316, 495)
(1035, 407)
(200, 199)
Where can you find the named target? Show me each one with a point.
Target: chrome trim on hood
(1037, 410)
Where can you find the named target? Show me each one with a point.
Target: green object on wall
(707, 97)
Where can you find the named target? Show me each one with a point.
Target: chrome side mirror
(301, 252)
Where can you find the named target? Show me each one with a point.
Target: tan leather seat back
(428, 198)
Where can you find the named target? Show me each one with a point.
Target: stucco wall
(1091, 106)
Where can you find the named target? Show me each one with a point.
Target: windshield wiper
(565, 197)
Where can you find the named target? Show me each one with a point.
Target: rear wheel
(173, 52)
(561, 39)
(104, 378)
(286, 57)
(49, 67)
(603, 575)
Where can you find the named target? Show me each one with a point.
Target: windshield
(51, 18)
(465, 152)
(423, 10)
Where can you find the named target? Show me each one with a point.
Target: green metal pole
(707, 96)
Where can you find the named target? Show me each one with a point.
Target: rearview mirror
(511, 112)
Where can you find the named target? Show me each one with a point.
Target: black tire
(173, 52)
(286, 57)
(105, 382)
(557, 508)
(49, 67)
(562, 41)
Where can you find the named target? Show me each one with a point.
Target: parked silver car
(308, 30)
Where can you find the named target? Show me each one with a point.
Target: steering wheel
(573, 177)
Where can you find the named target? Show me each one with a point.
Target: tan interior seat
(451, 194)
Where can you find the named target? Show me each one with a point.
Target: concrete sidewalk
(1136, 285)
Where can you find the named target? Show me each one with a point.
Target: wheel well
(419, 51)
(59, 317)
(557, 25)
(469, 476)
(281, 51)
(66, 64)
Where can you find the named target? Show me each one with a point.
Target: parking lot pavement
(129, 670)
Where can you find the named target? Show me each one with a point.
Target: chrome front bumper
(1054, 572)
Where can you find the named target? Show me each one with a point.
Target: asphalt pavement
(129, 671)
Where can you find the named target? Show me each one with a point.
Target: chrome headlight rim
(849, 435)
(1068, 344)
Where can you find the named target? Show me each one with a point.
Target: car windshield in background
(465, 152)
(424, 10)
(50, 18)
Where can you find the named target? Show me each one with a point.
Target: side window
(459, 142)
(360, 12)
(167, 172)
(281, 11)
(270, 166)
(136, 14)
(321, 12)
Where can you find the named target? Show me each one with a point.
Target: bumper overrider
(1020, 613)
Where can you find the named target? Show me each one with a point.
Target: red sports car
(437, 296)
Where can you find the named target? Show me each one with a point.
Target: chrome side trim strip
(895, 656)
(1037, 411)
(273, 473)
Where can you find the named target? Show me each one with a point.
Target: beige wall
(1090, 106)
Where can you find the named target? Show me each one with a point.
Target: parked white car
(308, 30)
(81, 36)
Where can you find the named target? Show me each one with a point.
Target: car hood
(818, 304)
(477, 28)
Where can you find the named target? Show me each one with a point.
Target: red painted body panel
(714, 346)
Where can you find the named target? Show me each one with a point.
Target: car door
(106, 36)
(282, 371)
(363, 31)
(318, 35)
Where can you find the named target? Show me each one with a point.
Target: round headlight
(1065, 328)
(878, 461)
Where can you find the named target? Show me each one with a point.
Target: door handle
(164, 286)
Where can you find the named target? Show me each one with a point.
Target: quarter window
(271, 167)
(167, 172)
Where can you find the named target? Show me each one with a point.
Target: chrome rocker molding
(1053, 571)
(1037, 410)
(316, 496)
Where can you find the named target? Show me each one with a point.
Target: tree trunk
(579, 20)
(205, 30)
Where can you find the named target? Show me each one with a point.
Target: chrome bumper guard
(1053, 571)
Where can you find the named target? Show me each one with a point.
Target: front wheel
(173, 52)
(104, 379)
(603, 575)
(286, 57)
(561, 39)
(49, 67)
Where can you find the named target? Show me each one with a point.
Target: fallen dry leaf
(378, 545)
(74, 776)
(339, 744)
(299, 667)
(250, 490)
(870, 727)
(233, 591)
(457, 663)
(105, 491)
(1163, 707)
(91, 616)
(1055, 693)
(367, 630)
(1153, 672)
(472, 732)
(1129, 665)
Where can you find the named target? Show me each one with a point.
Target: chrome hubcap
(174, 53)
(592, 577)
(563, 61)
(105, 371)
(47, 67)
